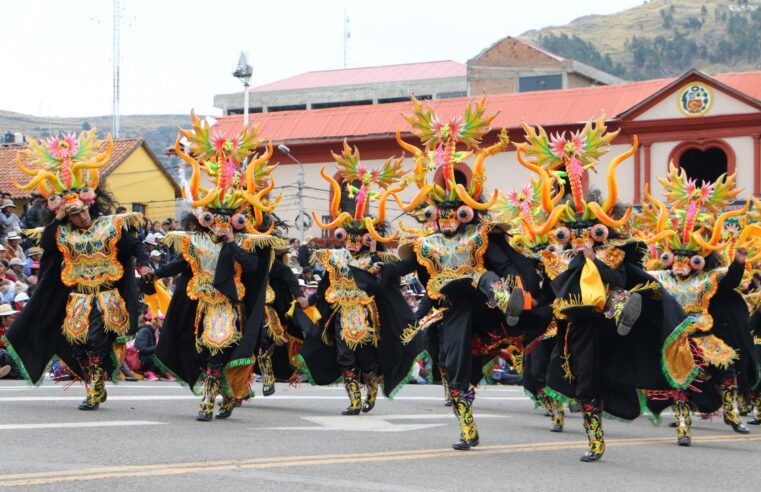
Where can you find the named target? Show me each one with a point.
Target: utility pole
(300, 183)
(243, 72)
(116, 55)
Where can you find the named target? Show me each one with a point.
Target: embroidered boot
(447, 396)
(547, 404)
(683, 422)
(591, 410)
(268, 375)
(462, 405)
(756, 401)
(731, 417)
(351, 383)
(211, 387)
(557, 415)
(89, 402)
(226, 407)
(371, 383)
(742, 404)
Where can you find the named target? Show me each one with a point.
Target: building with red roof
(706, 124)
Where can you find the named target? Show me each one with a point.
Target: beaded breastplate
(89, 256)
(693, 293)
(452, 258)
(356, 310)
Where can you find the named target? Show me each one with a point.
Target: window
(540, 83)
(286, 107)
(385, 100)
(704, 161)
(450, 95)
(138, 207)
(257, 109)
(339, 104)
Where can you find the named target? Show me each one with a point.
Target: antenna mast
(347, 35)
(116, 56)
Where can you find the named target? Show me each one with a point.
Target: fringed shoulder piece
(34, 234)
(249, 242)
(130, 220)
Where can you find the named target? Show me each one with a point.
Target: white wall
(669, 107)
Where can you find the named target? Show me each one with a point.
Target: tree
(86, 126)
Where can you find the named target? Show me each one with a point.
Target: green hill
(662, 38)
(160, 131)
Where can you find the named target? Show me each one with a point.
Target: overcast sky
(176, 54)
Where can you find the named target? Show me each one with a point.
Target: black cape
(35, 337)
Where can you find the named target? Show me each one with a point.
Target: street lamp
(300, 219)
(243, 73)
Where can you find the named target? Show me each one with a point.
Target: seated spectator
(156, 259)
(17, 267)
(13, 246)
(145, 343)
(8, 367)
(9, 221)
(20, 301)
(33, 254)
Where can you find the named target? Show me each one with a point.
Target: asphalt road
(146, 438)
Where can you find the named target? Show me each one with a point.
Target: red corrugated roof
(367, 75)
(548, 108)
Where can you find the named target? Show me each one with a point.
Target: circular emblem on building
(695, 99)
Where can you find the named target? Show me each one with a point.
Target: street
(145, 437)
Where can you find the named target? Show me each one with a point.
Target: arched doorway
(704, 161)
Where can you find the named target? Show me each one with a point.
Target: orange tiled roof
(9, 170)
(548, 108)
(367, 75)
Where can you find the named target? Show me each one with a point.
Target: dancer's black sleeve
(733, 278)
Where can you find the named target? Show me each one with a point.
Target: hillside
(159, 131)
(662, 38)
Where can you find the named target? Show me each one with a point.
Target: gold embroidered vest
(452, 258)
(90, 268)
(357, 312)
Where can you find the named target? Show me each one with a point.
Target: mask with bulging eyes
(354, 239)
(219, 224)
(683, 263)
(449, 218)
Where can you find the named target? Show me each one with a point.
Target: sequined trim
(77, 321)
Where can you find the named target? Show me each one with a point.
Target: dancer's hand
(60, 212)
(589, 253)
(228, 237)
(302, 302)
(741, 254)
(144, 271)
(378, 268)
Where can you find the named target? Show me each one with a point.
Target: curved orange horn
(462, 194)
(22, 167)
(343, 216)
(663, 214)
(540, 230)
(659, 237)
(382, 202)
(251, 168)
(606, 219)
(371, 229)
(421, 195)
(335, 203)
(705, 244)
(195, 177)
(718, 226)
(547, 202)
(42, 175)
(612, 185)
(412, 230)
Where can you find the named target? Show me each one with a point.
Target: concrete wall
(723, 104)
(373, 92)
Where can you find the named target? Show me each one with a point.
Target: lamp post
(300, 183)
(243, 73)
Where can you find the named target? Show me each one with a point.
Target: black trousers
(584, 347)
(362, 358)
(99, 342)
(455, 342)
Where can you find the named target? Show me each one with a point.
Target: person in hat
(8, 367)
(156, 260)
(9, 221)
(33, 254)
(85, 303)
(13, 243)
(3, 252)
(20, 300)
(17, 267)
(214, 320)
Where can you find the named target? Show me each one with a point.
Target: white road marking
(70, 425)
(371, 423)
(12, 399)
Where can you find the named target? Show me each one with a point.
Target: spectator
(33, 255)
(302, 286)
(17, 267)
(305, 252)
(2, 251)
(34, 215)
(121, 210)
(8, 367)
(156, 259)
(5, 271)
(13, 247)
(20, 301)
(8, 218)
(145, 343)
(150, 242)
